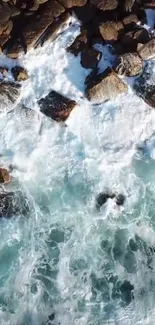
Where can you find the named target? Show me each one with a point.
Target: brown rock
(4, 71)
(90, 58)
(14, 11)
(56, 106)
(15, 49)
(72, 3)
(85, 13)
(6, 33)
(105, 4)
(106, 86)
(35, 6)
(54, 29)
(4, 176)
(38, 25)
(130, 20)
(19, 73)
(147, 50)
(111, 31)
(79, 44)
(5, 12)
(128, 5)
(129, 65)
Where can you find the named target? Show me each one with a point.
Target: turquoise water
(65, 258)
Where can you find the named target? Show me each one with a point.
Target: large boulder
(72, 3)
(90, 58)
(111, 31)
(9, 93)
(146, 51)
(105, 86)
(105, 4)
(13, 204)
(129, 64)
(56, 106)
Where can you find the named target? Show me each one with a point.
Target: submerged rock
(105, 86)
(12, 204)
(9, 93)
(126, 289)
(19, 73)
(56, 106)
(4, 176)
(129, 65)
(102, 199)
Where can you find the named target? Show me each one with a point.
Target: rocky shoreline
(119, 25)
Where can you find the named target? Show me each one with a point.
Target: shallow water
(88, 267)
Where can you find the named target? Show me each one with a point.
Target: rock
(130, 20)
(85, 13)
(19, 73)
(111, 31)
(6, 33)
(120, 199)
(53, 30)
(72, 3)
(102, 199)
(105, 4)
(4, 71)
(149, 4)
(79, 44)
(5, 12)
(145, 88)
(13, 203)
(147, 50)
(90, 58)
(128, 5)
(56, 106)
(14, 50)
(126, 289)
(131, 39)
(106, 86)
(4, 176)
(14, 11)
(129, 64)
(38, 24)
(9, 93)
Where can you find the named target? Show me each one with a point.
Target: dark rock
(51, 317)
(6, 33)
(5, 12)
(12, 204)
(145, 88)
(129, 65)
(147, 50)
(130, 20)
(72, 3)
(106, 86)
(79, 43)
(90, 58)
(53, 30)
(102, 199)
(126, 289)
(4, 71)
(131, 39)
(38, 24)
(19, 73)
(4, 176)
(85, 13)
(56, 106)
(9, 93)
(111, 31)
(120, 199)
(105, 4)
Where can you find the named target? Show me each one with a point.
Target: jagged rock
(111, 31)
(106, 86)
(38, 25)
(79, 43)
(72, 3)
(56, 106)
(19, 73)
(54, 29)
(105, 4)
(145, 88)
(129, 64)
(13, 204)
(147, 50)
(90, 58)
(4, 176)
(9, 93)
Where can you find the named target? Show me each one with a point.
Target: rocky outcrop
(146, 51)
(19, 73)
(90, 58)
(129, 65)
(56, 106)
(9, 93)
(105, 86)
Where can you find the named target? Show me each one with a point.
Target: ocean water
(65, 258)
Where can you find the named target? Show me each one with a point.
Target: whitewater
(60, 260)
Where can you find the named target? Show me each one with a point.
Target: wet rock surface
(129, 65)
(144, 87)
(9, 93)
(19, 73)
(56, 106)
